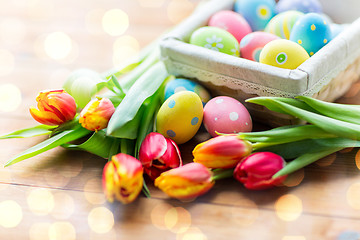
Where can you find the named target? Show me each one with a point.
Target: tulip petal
(172, 156)
(153, 147)
(45, 117)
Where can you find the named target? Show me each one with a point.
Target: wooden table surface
(58, 194)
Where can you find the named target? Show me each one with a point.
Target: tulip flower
(222, 152)
(158, 154)
(186, 182)
(96, 114)
(122, 178)
(54, 107)
(256, 170)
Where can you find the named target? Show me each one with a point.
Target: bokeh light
(7, 62)
(58, 45)
(192, 233)
(288, 207)
(39, 9)
(10, 97)
(326, 161)
(115, 22)
(353, 195)
(62, 231)
(10, 214)
(91, 196)
(12, 31)
(158, 215)
(125, 48)
(39, 231)
(179, 9)
(40, 201)
(294, 179)
(177, 219)
(151, 3)
(64, 206)
(101, 220)
(357, 159)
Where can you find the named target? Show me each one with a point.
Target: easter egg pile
(188, 105)
(282, 34)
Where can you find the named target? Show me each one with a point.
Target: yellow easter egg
(283, 53)
(180, 116)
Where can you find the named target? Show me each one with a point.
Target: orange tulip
(222, 151)
(186, 182)
(96, 114)
(54, 107)
(122, 178)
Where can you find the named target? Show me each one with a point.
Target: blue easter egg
(256, 12)
(305, 6)
(312, 32)
(182, 84)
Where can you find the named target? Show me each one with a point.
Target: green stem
(145, 190)
(221, 174)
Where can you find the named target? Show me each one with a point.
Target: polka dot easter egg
(312, 32)
(216, 39)
(232, 22)
(282, 24)
(180, 116)
(283, 53)
(256, 12)
(226, 115)
(305, 6)
(252, 44)
(182, 84)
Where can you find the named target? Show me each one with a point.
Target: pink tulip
(256, 170)
(122, 178)
(222, 151)
(158, 154)
(186, 182)
(96, 114)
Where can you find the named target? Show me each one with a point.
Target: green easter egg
(216, 39)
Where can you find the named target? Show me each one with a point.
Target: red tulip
(96, 114)
(185, 182)
(256, 170)
(158, 154)
(222, 151)
(122, 178)
(54, 107)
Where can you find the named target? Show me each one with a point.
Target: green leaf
(343, 112)
(143, 88)
(305, 160)
(29, 132)
(113, 85)
(98, 144)
(337, 127)
(288, 134)
(50, 143)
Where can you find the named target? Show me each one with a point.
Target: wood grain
(58, 194)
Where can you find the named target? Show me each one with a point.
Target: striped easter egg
(282, 23)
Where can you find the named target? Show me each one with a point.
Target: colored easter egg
(283, 53)
(252, 44)
(232, 22)
(312, 32)
(226, 115)
(182, 84)
(256, 12)
(282, 24)
(305, 6)
(216, 39)
(180, 116)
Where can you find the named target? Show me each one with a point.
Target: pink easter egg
(226, 115)
(252, 44)
(232, 22)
